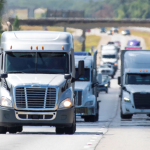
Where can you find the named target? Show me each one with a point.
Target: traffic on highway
(52, 94)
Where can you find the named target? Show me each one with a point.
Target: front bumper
(61, 118)
(85, 111)
(127, 108)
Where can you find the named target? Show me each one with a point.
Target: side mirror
(99, 78)
(81, 68)
(67, 76)
(119, 80)
(4, 75)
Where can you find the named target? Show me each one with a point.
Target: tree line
(94, 8)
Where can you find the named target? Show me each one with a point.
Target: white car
(107, 69)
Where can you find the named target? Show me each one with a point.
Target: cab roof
(44, 40)
(88, 61)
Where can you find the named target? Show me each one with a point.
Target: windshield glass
(105, 66)
(37, 62)
(109, 56)
(85, 77)
(138, 79)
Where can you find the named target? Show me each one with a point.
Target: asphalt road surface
(109, 133)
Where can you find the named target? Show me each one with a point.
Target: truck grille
(78, 98)
(36, 98)
(141, 100)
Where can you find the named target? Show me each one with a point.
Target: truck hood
(35, 79)
(81, 85)
(109, 60)
(138, 88)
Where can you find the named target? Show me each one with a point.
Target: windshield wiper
(15, 72)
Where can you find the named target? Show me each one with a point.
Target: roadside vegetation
(91, 40)
(93, 8)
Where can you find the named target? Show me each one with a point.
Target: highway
(110, 132)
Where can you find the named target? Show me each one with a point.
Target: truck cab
(36, 88)
(109, 55)
(135, 83)
(86, 89)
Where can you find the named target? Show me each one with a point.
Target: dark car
(105, 84)
(82, 53)
(102, 30)
(126, 32)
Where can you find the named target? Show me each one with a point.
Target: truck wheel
(12, 129)
(72, 129)
(19, 129)
(3, 130)
(60, 130)
(93, 118)
(125, 116)
(112, 76)
(107, 91)
(86, 119)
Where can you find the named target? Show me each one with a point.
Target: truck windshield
(85, 77)
(37, 62)
(138, 79)
(109, 56)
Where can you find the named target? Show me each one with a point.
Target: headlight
(89, 103)
(5, 102)
(65, 103)
(106, 85)
(126, 99)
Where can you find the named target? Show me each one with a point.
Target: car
(107, 69)
(82, 53)
(110, 43)
(115, 29)
(109, 32)
(133, 42)
(125, 32)
(102, 30)
(105, 84)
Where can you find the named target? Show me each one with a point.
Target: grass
(91, 40)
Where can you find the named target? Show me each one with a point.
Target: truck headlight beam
(5, 102)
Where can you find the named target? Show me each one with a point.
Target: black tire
(60, 130)
(19, 129)
(3, 130)
(107, 91)
(148, 115)
(12, 129)
(72, 129)
(97, 115)
(125, 116)
(112, 76)
(87, 119)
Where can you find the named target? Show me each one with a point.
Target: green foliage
(93, 8)
(16, 25)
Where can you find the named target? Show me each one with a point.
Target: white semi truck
(37, 81)
(135, 83)
(86, 95)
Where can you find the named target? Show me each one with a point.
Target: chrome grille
(20, 98)
(35, 98)
(78, 98)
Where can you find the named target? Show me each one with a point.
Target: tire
(112, 76)
(87, 119)
(107, 91)
(125, 116)
(72, 129)
(3, 130)
(12, 129)
(19, 129)
(60, 130)
(148, 115)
